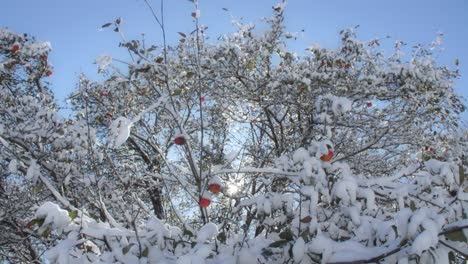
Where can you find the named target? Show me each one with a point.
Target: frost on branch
(328, 215)
(103, 61)
(119, 131)
(53, 216)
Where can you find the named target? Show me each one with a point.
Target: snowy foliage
(342, 155)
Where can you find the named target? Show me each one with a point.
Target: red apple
(15, 48)
(204, 202)
(214, 188)
(327, 157)
(369, 104)
(179, 140)
(48, 73)
(202, 99)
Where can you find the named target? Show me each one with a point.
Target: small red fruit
(202, 99)
(214, 188)
(179, 140)
(204, 202)
(369, 104)
(48, 73)
(347, 66)
(329, 155)
(15, 48)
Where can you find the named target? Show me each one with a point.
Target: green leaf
(286, 235)
(35, 221)
(456, 236)
(250, 65)
(37, 188)
(159, 59)
(127, 248)
(190, 75)
(403, 242)
(153, 47)
(452, 258)
(47, 232)
(106, 25)
(182, 34)
(278, 243)
(188, 233)
(73, 214)
(145, 253)
(457, 62)
(177, 92)
(267, 252)
(222, 237)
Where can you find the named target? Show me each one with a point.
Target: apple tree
(243, 151)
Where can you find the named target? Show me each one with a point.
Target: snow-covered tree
(241, 152)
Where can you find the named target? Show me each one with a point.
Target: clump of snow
(216, 180)
(300, 155)
(369, 195)
(298, 250)
(61, 252)
(427, 238)
(119, 131)
(156, 231)
(207, 232)
(13, 166)
(103, 61)
(339, 105)
(33, 171)
(53, 216)
(346, 190)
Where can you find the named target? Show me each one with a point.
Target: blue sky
(72, 26)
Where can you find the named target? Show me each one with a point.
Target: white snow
(53, 216)
(207, 232)
(216, 180)
(13, 166)
(422, 242)
(298, 250)
(103, 61)
(61, 252)
(33, 171)
(119, 131)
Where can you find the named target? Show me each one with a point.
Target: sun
(232, 188)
